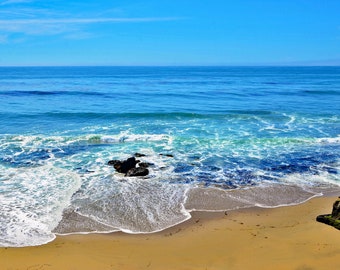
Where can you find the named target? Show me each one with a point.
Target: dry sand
(280, 238)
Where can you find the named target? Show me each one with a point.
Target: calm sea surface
(219, 138)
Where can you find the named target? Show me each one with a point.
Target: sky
(169, 32)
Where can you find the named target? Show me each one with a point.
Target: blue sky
(169, 32)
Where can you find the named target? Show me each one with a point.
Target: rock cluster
(129, 168)
(334, 218)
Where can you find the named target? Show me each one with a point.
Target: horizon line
(183, 65)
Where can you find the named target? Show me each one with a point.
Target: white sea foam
(133, 206)
(225, 142)
(322, 179)
(126, 137)
(34, 142)
(34, 198)
(32, 201)
(335, 140)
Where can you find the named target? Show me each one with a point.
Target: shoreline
(198, 199)
(286, 237)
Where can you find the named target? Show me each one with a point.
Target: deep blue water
(226, 127)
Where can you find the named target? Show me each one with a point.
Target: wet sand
(279, 238)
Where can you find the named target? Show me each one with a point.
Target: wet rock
(334, 218)
(113, 162)
(167, 155)
(336, 209)
(124, 166)
(128, 167)
(145, 164)
(139, 171)
(139, 155)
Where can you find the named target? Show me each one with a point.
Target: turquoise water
(237, 136)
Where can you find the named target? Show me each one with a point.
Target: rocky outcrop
(334, 218)
(139, 171)
(128, 167)
(145, 164)
(336, 209)
(125, 165)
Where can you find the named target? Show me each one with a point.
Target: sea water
(218, 138)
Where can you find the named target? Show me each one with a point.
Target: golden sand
(280, 238)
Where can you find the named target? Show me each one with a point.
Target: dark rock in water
(116, 164)
(167, 155)
(128, 164)
(145, 164)
(113, 162)
(128, 167)
(139, 155)
(124, 166)
(334, 218)
(139, 171)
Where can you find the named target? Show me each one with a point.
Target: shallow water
(237, 137)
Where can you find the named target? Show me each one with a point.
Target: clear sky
(169, 32)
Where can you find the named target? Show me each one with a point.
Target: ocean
(216, 138)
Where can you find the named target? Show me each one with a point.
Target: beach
(229, 151)
(212, 138)
(256, 238)
(169, 135)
